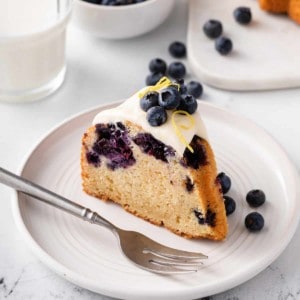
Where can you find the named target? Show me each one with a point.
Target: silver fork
(141, 250)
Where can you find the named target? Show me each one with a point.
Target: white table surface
(102, 71)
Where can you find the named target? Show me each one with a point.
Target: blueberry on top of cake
(152, 156)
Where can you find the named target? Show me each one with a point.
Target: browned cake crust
(185, 200)
(275, 6)
(294, 10)
(291, 7)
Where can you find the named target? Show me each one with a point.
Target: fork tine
(169, 253)
(167, 266)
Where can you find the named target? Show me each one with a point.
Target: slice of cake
(151, 155)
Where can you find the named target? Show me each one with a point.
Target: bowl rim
(120, 7)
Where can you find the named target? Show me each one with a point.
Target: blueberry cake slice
(156, 163)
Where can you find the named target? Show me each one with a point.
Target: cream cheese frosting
(130, 110)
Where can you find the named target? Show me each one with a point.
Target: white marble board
(266, 52)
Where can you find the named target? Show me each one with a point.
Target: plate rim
(189, 292)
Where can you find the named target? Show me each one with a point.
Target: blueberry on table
(224, 181)
(229, 205)
(242, 15)
(213, 28)
(153, 78)
(223, 45)
(156, 116)
(256, 198)
(188, 103)
(177, 49)
(195, 88)
(169, 98)
(157, 65)
(149, 100)
(254, 221)
(176, 70)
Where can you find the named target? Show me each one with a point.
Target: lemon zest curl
(178, 127)
(164, 82)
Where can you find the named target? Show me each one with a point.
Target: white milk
(32, 47)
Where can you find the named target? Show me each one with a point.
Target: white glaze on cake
(130, 110)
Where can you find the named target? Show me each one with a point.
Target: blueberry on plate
(157, 65)
(256, 198)
(254, 221)
(149, 100)
(223, 45)
(213, 28)
(156, 116)
(242, 15)
(169, 98)
(153, 78)
(188, 103)
(195, 89)
(176, 70)
(177, 49)
(224, 181)
(229, 205)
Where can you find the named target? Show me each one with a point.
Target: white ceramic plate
(89, 255)
(265, 52)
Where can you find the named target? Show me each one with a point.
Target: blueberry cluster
(159, 68)
(156, 104)
(114, 2)
(254, 221)
(113, 143)
(214, 28)
(176, 70)
(151, 146)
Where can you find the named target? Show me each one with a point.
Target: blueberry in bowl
(119, 19)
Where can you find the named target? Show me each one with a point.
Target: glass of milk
(32, 48)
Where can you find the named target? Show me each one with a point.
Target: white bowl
(118, 22)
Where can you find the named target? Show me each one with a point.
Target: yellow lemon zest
(162, 83)
(177, 127)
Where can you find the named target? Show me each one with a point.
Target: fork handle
(38, 192)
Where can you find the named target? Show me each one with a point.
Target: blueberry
(195, 89)
(242, 15)
(188, 103)
(223, 45)
(225, 182)
(93, 1)
(149, 100)
(213, 28)
(177, 49)
(182, 86)
(157, 65)
(176, 70)
(256, 198)
(156, 116)
(153, 78)
(254, 221)
(229, 205)
(169, 98)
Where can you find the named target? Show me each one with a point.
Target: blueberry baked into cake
(151, 155)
